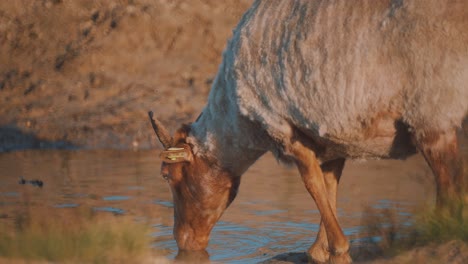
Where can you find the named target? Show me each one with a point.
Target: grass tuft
(71, 235)
(388, 235)
(437, 226)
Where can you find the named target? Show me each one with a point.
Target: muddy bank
(452, 252)
(455, 252)
(86, 72)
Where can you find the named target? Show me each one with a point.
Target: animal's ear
(162, 133)
(175, 155)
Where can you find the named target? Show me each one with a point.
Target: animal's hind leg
(314, 181)
(332, 173)
(441, 153)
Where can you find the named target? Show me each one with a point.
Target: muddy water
(272, 214)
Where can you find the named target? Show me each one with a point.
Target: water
(272, 214)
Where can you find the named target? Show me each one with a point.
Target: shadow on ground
(12, 138)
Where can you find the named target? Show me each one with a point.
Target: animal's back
(351, 72)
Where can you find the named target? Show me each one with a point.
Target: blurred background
(86, 72)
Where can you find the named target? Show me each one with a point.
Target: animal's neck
(225, 137)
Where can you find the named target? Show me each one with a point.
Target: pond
(272, 214)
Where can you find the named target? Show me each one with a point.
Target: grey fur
(356, 76)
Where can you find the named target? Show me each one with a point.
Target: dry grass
(73, 236)
(389, 236)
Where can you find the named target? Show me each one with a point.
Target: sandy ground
(86, 72)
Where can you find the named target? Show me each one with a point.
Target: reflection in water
(116, 198)
(272, 214)
(66, 205)
(167, 204)
(116, 211)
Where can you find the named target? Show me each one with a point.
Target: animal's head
(201, 191)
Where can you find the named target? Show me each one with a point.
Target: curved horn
(162, 133)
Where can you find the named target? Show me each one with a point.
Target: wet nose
(187, 240)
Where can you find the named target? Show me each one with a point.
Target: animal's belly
(378, 139)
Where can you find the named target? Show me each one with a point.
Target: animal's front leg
(314, 181)
(332, 173)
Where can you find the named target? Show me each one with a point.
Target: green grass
(428, 226)
(434, 225)
(73, 236)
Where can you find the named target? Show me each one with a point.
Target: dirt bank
(453, 252)
(86, 72)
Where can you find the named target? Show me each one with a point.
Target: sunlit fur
(342, 72)
(201, 192)
(318, 82)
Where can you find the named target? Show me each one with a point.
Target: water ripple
(167, 204)
(109, 209)
(66, 205)
(116, 198)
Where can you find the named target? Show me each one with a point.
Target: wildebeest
(316, 83)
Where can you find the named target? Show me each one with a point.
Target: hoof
(340, 259)
(318, 255)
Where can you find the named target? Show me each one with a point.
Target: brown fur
(200, 192)
(331, 170)
(314, 181)
(440, 149)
